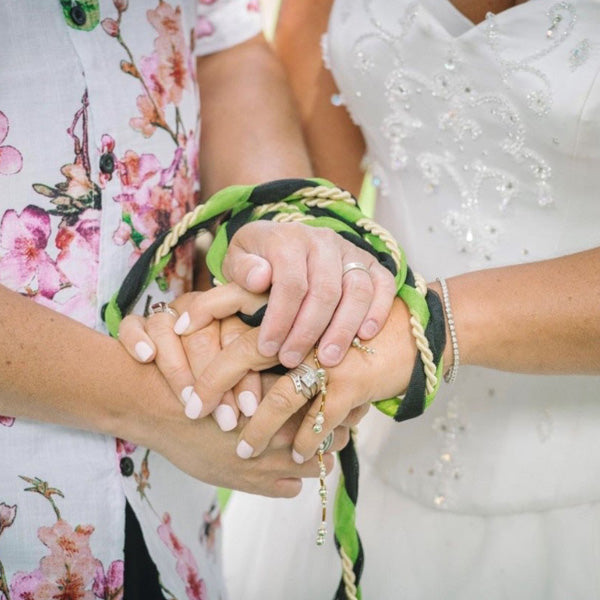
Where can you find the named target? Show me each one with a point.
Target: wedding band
(326, 443)
(306, 380)
(355, 265)
(162, 307)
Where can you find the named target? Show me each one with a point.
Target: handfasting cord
(317, 203)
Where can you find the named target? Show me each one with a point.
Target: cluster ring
(306, 380)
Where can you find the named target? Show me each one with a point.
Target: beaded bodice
(484, 132)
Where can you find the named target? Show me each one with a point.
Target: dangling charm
(356, 343)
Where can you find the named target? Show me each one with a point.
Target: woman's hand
(310, 296)
(181, 358)
(360, 379)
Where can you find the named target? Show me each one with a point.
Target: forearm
(540, 317)
(56, 370)
(250, 127)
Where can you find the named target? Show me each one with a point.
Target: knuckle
(174, 371)
(282, 403)
(359, 285)
(326, 292)
(201, 342)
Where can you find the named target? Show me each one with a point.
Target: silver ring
(307, 380)
(326, 443)
(162, 307)
(355, 265)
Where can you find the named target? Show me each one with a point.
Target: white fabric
(54, 77)
(483, 141)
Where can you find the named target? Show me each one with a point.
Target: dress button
(107, 163)
(78, 15)
(127, 466)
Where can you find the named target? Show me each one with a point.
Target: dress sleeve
(221, 24)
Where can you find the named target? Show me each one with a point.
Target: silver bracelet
(450, 376)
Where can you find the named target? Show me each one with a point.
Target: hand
(360, 379)
(182, 359)
(310, 298)
(203, 451)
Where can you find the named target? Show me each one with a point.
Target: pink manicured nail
(192, 402)
(247, 402)
(225, 417)
(182, 323)
(244, 449)
(298, 458)
(143, 351)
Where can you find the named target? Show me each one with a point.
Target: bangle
(450, 376)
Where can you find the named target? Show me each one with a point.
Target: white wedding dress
(484, 141)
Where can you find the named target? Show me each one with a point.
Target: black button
(127, 466)
(78, 15)
(107, 163)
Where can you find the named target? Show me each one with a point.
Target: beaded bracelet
(450, 376)
(317, 203)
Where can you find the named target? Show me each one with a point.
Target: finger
(229, 366)
(132, 334)
(275, 409)
(357, 294)
(199, 309)
(249, 389)
(249, 270)
(226, 413)
(320, 302)
(172, 361)
(384, 293)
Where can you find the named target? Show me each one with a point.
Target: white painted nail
(192, 402)
(298, 458)
(244, 449)
(247, 402)
(182, 323)
(143, 351)
(225, 417)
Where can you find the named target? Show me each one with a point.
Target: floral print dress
(99, 124)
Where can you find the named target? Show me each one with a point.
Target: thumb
(250, 271)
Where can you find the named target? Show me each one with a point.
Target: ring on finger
(162, 307)
(306, 379)
(326, 443)
(351, 266)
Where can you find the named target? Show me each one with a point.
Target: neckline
(456, 24)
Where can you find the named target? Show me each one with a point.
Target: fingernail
(244, 449)
(291, 359)
(143, 351)
(256, 276)
(248, 403)
(192, 402)
(225, 417)
(268, 348)
(182, 323)
(331, 353)
(298, 458)
(369, 328)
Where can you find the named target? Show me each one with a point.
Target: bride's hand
(360, 379)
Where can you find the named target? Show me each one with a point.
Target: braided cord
(316, 203)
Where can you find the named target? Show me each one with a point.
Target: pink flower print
(109, 586)
(186, 566)
(11, 161)
(7, 515)
(171, 49)
(24, 237)
(70, 567)
(79, 247)
(253, 6)
(203, 27)
(7, 421)
(24, 586)
(124, 447)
